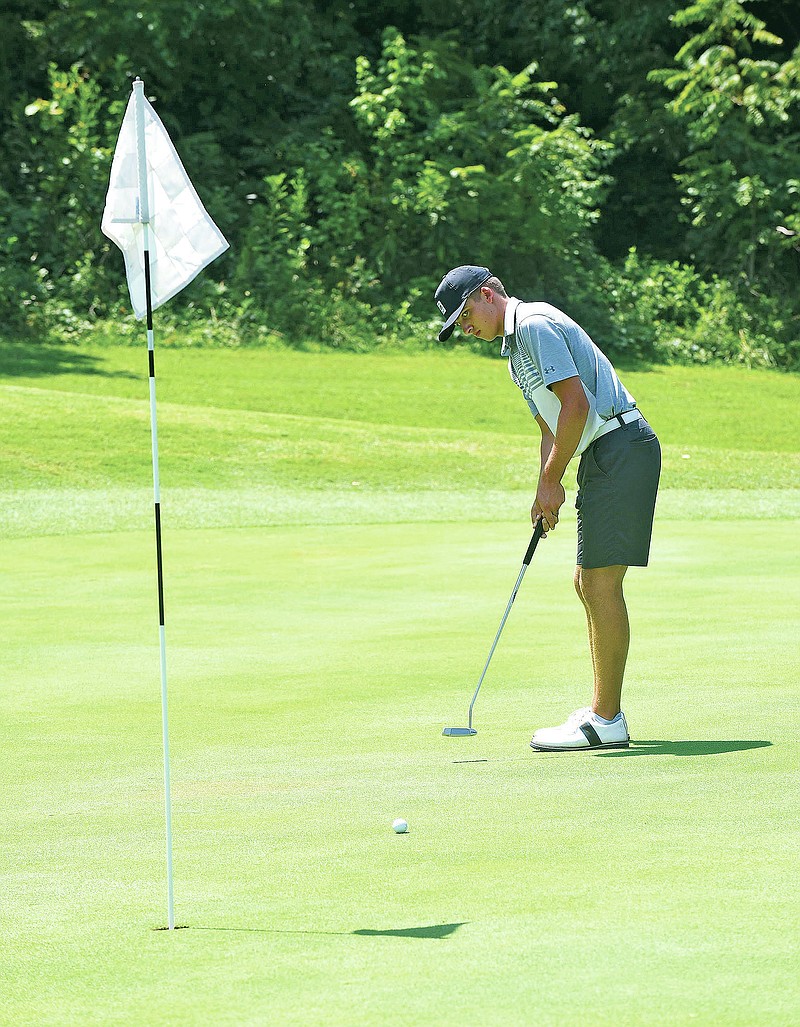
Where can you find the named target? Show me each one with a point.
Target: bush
(668, 312)
(444, 164)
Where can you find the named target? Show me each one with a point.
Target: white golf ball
(400, 826)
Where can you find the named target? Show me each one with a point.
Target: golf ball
(400, 826)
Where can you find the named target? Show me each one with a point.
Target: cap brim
(449, 326)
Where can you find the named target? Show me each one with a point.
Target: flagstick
(144, 217)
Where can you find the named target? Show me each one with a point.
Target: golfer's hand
(549, 500)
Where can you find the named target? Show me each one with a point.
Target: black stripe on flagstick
(147, 298)
(592, 736)
(151, 356)
(160, 569)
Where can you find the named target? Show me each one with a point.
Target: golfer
(581, 407)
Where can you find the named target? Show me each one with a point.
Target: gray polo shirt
(545, 346)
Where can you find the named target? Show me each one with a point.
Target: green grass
(712, 406)
(320, 635)
(251, 437)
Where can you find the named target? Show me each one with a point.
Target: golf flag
(183, 238)
(156, 218)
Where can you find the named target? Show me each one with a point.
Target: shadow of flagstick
(438, 931)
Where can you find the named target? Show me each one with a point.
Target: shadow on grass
(30, 358)
(661, 747)
(436, 931)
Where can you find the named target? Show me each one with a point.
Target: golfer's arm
(571, 422)
(546, 444)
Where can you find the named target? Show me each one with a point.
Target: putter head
(459, 731)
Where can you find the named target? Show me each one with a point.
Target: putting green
(312, 669)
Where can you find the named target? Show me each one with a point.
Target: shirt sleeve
(547, 344)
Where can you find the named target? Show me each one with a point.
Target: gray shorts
(617, 484)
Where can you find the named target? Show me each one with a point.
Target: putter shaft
(537, 534)
(496, 640)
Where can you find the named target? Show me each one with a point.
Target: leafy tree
(349, 163)
(450, 164)
(741, 177)
(22, 70)
(643, 206)
(61, 163)
(472, 164)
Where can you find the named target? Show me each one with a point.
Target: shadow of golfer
(661, 747)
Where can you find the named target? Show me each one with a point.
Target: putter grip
(534, 542)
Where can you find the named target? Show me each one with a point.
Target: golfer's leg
(609, 632)
(579, 590)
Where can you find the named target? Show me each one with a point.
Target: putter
(470, 730)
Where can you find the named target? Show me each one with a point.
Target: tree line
(637, 165)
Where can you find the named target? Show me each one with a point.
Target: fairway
(341, 535)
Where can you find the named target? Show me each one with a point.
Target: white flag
(182, 237)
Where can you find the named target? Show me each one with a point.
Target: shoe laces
(578, 716)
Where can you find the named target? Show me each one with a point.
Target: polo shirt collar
(508, 325)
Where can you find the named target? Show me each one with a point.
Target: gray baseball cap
(454, 290)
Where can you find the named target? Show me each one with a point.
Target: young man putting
(582, 407)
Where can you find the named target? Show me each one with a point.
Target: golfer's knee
(600, 586)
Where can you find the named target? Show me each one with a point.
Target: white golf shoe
(583, 730)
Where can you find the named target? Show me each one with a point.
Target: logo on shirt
(550, 370)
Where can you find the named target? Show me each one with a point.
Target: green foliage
(503, 176)
(19, 282)
(350, 164)
(352, 230)
(668, 312)
(62, 172)
(741, 175)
